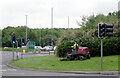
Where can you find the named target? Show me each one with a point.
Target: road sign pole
(21, 53)
(17, 50)
(101, 53)
(13, 51)
(54, 52)
(21, 49)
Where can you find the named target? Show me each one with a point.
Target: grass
(51, 62)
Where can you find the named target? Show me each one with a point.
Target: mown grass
(51, 62)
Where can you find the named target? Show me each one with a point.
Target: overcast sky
(12, 12)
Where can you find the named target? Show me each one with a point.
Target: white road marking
(3, 70)
(11, 70)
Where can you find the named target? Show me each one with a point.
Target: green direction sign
(31, 45)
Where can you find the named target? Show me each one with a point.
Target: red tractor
(80, 54)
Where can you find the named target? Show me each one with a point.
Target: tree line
(88, 32)
(32, 35)
(89, 35)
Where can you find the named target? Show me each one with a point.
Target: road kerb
(72, 72)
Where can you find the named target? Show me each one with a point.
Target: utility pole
(68, 23)
(52, 26)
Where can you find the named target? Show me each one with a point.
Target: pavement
(9, 70)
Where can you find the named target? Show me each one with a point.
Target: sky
(13, 12)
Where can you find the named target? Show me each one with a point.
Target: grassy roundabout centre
(51, 62)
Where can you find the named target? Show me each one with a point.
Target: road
(8, 71)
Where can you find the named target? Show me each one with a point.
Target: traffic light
(19, 42)
(13, 39)
(108, 30)
(101, 30)
(23, 41)
(105, 30)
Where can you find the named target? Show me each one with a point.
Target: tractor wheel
(88, 56)
(81, 58)
(69, 58)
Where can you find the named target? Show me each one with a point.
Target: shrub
(63, 48)
(111, 46)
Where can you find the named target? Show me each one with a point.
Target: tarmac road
(8, 71)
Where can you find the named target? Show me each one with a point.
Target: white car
(5, 47)
(37, 47)
(48, 48)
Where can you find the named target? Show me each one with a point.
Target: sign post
(21, 49)
(17, 50)
(101, 53)
(13, 51)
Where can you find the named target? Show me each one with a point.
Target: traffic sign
(31, 45)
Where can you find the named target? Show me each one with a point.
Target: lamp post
(26, 32)
(52, 26)
(68, 23)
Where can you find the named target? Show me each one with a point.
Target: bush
(111, 46)
(63, 48)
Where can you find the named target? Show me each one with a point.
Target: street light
(68, 23)
(26, 31)
(26, 27)
(52, 26)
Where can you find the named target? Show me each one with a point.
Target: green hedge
(63, 48)
(111, 46)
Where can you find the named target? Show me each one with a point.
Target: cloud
(13, 12)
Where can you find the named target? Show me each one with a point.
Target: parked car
(5, 47)
(37, 47)
(48, 48)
